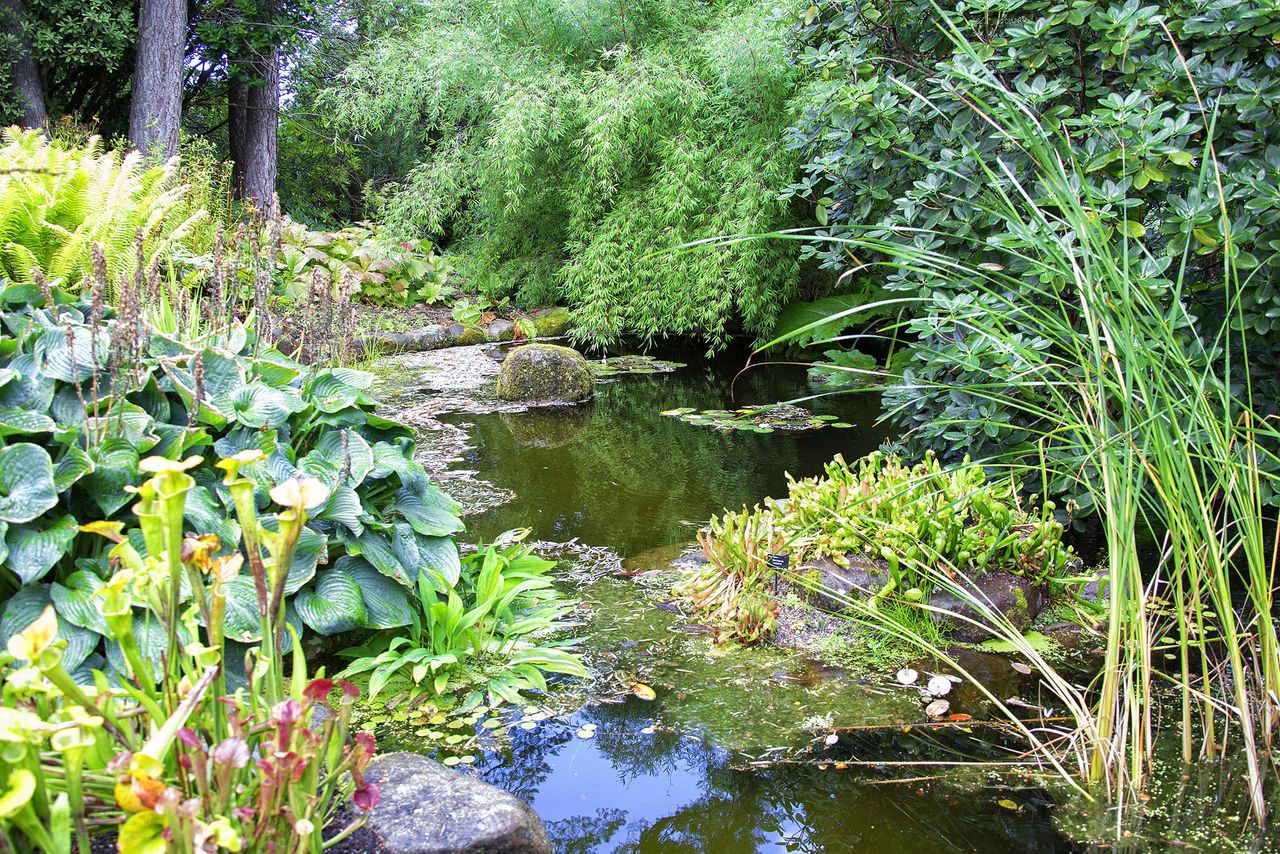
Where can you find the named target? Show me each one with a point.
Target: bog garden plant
(904, 518)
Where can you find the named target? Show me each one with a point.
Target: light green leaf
(23, 422)
(76, 602)
(386, 603)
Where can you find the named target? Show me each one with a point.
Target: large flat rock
(426, 808)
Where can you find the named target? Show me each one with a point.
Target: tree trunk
(156, 111)
(26, 77)
(261, 128)
(237, 100)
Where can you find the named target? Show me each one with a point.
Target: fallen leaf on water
(960, 717)
(586, 733)
(649, 730)
(1020, 667)
(1008, 804)
(644, 692)
(937, 708)
(832, 740)
(907, 676)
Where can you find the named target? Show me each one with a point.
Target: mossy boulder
(545, 372)
(1017, 598)
(551, 322)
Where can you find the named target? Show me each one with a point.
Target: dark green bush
(892, 142)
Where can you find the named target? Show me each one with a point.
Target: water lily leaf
(937, 708)
(336, 605)
(76, 603)
(26, 482)
(35, 548)
(23, 422)
(644, 692)
(386, 603)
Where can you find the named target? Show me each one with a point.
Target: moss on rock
(551, 322)
(545, 372)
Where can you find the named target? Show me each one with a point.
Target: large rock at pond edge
(1012, 595)
(545, 372)
(425, 808)
(831, 586)
(551, 322)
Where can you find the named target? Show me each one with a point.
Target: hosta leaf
(241, 622)
(276, 369)
(375, 547)
(178, 441)
(386, 603)
(77, 603)
(428, 510)
(223, 373)
(204, 515)
(72, 465)
(329, 393)
(391, 459)
(355, 461)
(259, 405)
(26, 482)
(32, 390)
(244, 439)
(34, 548)
(343, 508)
(23, 422)
(439, 554)
(336, 605)
(312, 548)
(76, 363)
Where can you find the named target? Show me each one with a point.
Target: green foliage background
(569, 144)
(891, 142)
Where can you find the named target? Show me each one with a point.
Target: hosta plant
(85, 393)
(486, 627)
(379, 271)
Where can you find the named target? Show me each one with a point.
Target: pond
(724, 759)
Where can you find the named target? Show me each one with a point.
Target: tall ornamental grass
(1138, 405)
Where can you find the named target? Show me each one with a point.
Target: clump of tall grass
(1142, 397)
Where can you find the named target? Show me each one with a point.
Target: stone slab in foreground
(426, 808)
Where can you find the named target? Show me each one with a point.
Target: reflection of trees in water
(631, 477)
(583, 834)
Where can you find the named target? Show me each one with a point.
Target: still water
(676, 774)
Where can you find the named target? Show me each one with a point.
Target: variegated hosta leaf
(35, 547)
(335, 605)
(15, 421)
(26, 482)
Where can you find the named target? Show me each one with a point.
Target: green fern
(58, 201)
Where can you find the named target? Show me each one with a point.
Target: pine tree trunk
(156, 111)
(237, 111)
(261, 132)
(26, 77)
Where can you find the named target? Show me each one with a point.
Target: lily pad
(757, 419)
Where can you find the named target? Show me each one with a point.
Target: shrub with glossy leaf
(77, 414)
(891, 141)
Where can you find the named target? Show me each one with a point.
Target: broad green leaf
(343, 508)
(336, 605)
(329, 393)
(386, 603)
(34, 548)
(27, 604)
(72, 465)
(428, 510)
(26, 482)
(23, 422)
(241, 622)
(355, 461)
(77, 603)
(259, 405)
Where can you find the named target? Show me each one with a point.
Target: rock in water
(545, 372)
(425, 808)
(1012, 595)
